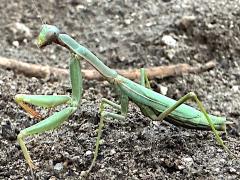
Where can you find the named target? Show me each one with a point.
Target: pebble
(127, 21)
(20, 27)
(235, 88)
(222, 160)
(163, 89)
(101, 142)
(52, 178)
(217, 170)
(15, 43)
(188, 161)
(232, 170)
(169, 41)
(170, 54)
(88, 153)
(187, 21)
(58, 167)
(83, 173)
(112, 152)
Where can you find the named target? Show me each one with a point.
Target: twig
(39, 71)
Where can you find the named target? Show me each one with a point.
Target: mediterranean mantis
(152, 104)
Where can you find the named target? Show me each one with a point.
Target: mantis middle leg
(123, 108)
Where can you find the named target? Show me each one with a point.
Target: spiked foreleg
(49, 101)
(50, 123)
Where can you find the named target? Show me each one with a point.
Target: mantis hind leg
(193, 96)
(147, 111)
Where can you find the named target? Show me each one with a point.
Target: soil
(124, 34)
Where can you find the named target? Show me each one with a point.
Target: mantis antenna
(38, 13)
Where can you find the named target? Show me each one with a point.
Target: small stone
(170, 53)
(15, 43)
(186, 21)
(24, 28)
(112, 152)
(188, 161)
(222, 160)
(181, 167)
(81, 7)
(127, 21)
(83, 174)
(169, 41)
(163, 90)
(232, 170)
(217, 169)
(58, 167)
(220, 150)
(101, 142)
(235, 89)
(21, 28)
(13, 87)
(52, 178)
(88, 153)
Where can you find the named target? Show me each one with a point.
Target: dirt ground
(124, 34)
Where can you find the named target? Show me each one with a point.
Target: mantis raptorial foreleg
(46, 101)
(50, 123)
(49, 101)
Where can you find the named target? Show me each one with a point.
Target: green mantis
(152, 104)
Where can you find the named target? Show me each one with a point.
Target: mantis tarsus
(152, 104)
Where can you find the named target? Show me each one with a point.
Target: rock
(232, 170)
(58, 167)
(186, 21)
(187, 161)
(170, 53)
(112, 152)
(15, 43)
(52, 178)
(21, 29)
(169, 41)
(163, 89)
(88, 153)
(235, 88)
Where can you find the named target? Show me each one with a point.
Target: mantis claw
(31, 165)
(29, 110)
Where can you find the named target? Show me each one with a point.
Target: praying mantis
(152, 104)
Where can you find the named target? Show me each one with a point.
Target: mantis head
(47, 35)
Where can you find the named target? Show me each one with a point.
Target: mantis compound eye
(47, 35)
